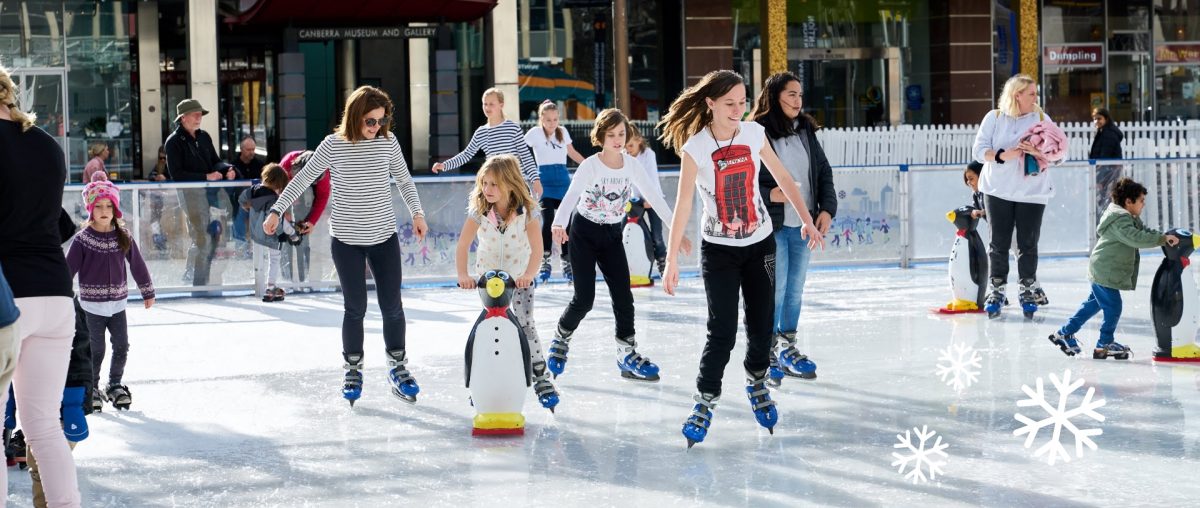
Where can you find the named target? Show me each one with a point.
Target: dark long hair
(1107, 117)
(769, 113)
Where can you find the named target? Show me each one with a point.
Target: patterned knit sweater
(100, 264)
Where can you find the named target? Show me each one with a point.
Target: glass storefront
(72, 61)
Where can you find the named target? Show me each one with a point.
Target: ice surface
(237, 403)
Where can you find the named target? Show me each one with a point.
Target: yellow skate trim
(1186, 351)
(961, 305)
(490, 421)
(639, 280)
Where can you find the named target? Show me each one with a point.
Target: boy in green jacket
(1113, 267)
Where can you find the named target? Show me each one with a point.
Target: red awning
(360, 12)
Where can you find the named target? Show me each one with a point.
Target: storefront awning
(540, 82)
(360, 12)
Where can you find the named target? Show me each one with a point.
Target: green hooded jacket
(1114, 260)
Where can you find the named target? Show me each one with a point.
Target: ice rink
(238, 403)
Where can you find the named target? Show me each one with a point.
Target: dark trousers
(1004, 216)
(549, 207)
(195, 206)
(119, 331)
(727, 269)
(302, 253)
(599, 244)
(351, 262)
(656, 234)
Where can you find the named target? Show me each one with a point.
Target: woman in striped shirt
(361, 158)
(499, 136)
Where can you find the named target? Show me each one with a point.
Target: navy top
(8, 308)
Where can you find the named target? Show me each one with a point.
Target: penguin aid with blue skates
(968, 264)
(498, 371)
(1175, 303)
(636, 239)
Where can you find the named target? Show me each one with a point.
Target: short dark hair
(1126, 190)
(973, 167)
(606, 121)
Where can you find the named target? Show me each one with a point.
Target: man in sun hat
(192, 156)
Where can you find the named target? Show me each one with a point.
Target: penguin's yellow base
(1184, 353)
(640, 281)
(959, 306)
(499, 424)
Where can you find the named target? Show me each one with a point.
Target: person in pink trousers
(32, 172)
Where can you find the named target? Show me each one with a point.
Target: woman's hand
(670, 279)
(824, 221)
(977, 214)
(466, 282)
(1027, 147)
(271, 224)
(813, 235)
(560, 234)
(420, 227)
(537, 189)
(304, 227)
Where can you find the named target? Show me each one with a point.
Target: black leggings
(351, 262)
(726, 269)
(119, 331)
(1004, 216)
(599, 244)
(549, 207)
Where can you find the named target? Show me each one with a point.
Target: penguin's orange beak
(950, 216)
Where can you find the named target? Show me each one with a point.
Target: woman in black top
(1106, 145)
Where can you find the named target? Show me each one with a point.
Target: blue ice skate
(1066, 343)
(556, 360)
(546, 393)
(404, 387)
(695, 428)
(791, 362)
(633, 365)
(775, 373)
(760, 400)
(1029, 296)
(544, 271)
(352, 387)
(1112, 349)
(996, 299)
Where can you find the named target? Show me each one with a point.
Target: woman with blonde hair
(551, 144)
(97, 154)
(498, 136)
(362, 158)
(1014, 199)
(32, 172)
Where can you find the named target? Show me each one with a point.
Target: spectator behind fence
(191, 157)
(1105, 145)
(97, 153)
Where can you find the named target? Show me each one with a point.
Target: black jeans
(726, 269)
(599, 244)
(351, 262)
(1003, 216)
(656, 234)
(549, 207)
(196, 207)
(119, 331)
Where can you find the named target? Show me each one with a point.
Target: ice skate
(16, 448)
(546, 393)
(404, 386)
(760, 400)
(97, 400)
(1066, 343)
(791, 361)
(119, 396)
(556, 360)
(8, 457)
(996, 299)
(1028, 297)
(544, 271)
(633, 365)
(695, 428)
(352, 387)
(566, 270)
(661, 263)
(775, 373)
(1112, 350)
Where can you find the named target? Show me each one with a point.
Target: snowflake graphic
(959, 359)
(920, 454)
(1060, 417)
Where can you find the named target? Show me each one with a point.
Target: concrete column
(419, 98)
(347, 68)
(202, 63)
(526, 37)
(621, 55)
(773, 20)
(150, 85)
(504, 49)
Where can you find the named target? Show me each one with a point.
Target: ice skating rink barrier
(890, 215)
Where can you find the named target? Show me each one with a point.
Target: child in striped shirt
(499, 136)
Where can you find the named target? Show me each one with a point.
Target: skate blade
(404, 398)
(801, 375)
(634, 377)
(775, 383)
(691, 443)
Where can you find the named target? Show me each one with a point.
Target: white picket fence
(951, 144)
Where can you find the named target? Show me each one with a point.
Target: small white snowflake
(959, 359)
(1060, 416)
(920, 454)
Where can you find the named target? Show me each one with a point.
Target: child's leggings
(119, 331)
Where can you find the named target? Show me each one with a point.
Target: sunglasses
(371, 122)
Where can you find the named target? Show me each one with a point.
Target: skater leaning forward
(362, 157)
(1112, 268)
(599, 190)
(721, 157)
(503, 217)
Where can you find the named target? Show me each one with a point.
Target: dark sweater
(1107, 143)
(251, 170)
(32, 173)
(190, 159)
(98, 260)
(820, 178)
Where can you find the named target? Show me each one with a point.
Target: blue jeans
(791, 269)
(1102, 299)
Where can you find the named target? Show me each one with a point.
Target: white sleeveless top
(506, 250)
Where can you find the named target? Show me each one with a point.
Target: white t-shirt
(727, 178)
(649, 163)
(1008, 181)
(598, 193)
(548, 150)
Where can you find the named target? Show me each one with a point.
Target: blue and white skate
(695, 428)
(352, 387)
(760, 400)
(1114, 350)
(1066, 343)
(775, 373)
(1028, 297)
(791, 361)
(404, 387)
(633, 365)
(556, 359)
(544, 271)
(996, 299)
(542, 387)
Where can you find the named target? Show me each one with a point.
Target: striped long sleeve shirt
(505, 138)
(362, 203)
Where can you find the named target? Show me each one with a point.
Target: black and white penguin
(498, 371)
(1174, 302)
(636, 238)
(968, 264)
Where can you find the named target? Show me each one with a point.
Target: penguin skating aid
(498, 370)
(638, 251)
(968, 264)
(1175, 303)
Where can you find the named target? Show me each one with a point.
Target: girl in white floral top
(503, 217)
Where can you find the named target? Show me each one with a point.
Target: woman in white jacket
(1013, 199)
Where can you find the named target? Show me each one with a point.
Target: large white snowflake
(920, 454)
(1060, 416)
(959, 360)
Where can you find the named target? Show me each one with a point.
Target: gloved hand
(74, 423)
